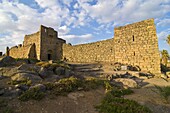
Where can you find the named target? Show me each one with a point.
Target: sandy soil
(147, 96)
(84, 103)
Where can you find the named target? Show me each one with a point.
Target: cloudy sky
(79, 21)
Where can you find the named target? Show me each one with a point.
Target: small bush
(120, 93)
(112, 104)
(33, 93)
(91, 83)
(66, 85)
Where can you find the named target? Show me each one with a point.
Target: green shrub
(91, 83)
(66, 85)
(112, 104)
(121, 92)
(33, 93)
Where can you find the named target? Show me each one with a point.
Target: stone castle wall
(135, 44)
(92, 52)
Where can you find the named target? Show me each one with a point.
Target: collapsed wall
(92, 52)
(22, 51)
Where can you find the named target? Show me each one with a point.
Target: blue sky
(79, 21)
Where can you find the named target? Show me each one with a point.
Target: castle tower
(137, 44)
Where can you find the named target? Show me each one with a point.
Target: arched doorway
(49, 55)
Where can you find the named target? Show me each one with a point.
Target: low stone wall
(92, 52)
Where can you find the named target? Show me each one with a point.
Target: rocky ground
(20, 75)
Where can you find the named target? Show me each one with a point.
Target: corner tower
(137, 44)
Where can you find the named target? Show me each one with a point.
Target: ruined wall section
(92, 52)
(22, 51)
(137, 44)
(33, 39)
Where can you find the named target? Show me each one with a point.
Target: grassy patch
(33, 93)
(112, 103)
(164, 92)
(24, 82)
(66, 85)
(4, 107)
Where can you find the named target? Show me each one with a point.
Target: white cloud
(18, 19)
(125, 11)
(163, 35)
(78, 39)
(45, 4)
(63, 30)
(164, 22)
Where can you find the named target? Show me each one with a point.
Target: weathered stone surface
(75, 95)
(22, 87)
(2, 91)
(7, 61)
(25, 76)
(41, 87)
(127, 82)
(134, 44)
(60, 71)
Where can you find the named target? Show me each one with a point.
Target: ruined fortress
(135, 44)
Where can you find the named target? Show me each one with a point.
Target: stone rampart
(92, 52)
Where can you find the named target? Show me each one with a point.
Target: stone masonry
(43, 45)
(135, 44)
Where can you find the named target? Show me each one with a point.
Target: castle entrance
(49, 55)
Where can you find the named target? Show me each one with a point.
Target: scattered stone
(22, 87)
(168, 74)
(124, 68)
(75, 95)
(127, 82)
(2, 91)
(43, 72)
(164, 76)
(59, 71)
(41, 87)
(7, 61)
(50, 61)
(26, 76)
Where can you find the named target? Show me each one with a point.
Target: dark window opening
(49, 56)
(134, 53)
(51, 35)
(97, 45)
(133, 38)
